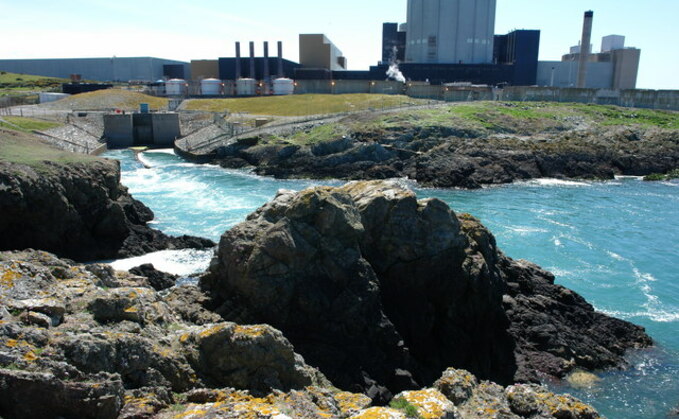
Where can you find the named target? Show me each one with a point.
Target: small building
(317, 51)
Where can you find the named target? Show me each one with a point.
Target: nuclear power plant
(443, 42)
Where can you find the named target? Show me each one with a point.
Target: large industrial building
(450, 31)
(112, 69)
(615, 67)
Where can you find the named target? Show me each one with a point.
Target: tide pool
(616, 243)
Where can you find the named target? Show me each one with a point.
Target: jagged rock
(383, 292)
(456, 385)
(77, 210)
(141, 305)
(41, 395)
(430, 403)
(257, 358)
(158, 280)
(131, 332)
(532, 401)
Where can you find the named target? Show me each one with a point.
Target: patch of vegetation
(22, 148)
(26, 124)
(12, 84)
(300, 105)
(110, 99)
(406, 407)
(674, 174)
(318, 134)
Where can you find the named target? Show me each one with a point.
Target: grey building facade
(116, 69)
(450, 31)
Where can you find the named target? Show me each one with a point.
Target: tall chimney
(280, 60)
(238, 71)
(585, 46)
(266, 74)
(252, 60)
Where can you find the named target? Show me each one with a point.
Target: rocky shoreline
(330, 302)
(443, 155)
(78, 210)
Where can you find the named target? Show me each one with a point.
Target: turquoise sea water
(616, 243)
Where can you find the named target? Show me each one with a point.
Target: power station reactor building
(450, 31)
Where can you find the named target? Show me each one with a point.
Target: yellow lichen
(430, 403)
(379, 413)
(249, 331)
(211, 331)
(8, 277)
(183, 338)
(11, 343)
(131, 309)
(30, 356)
(351, 402)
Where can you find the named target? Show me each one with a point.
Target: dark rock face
(158, 280)
(78, 211)
(445, 157)
(383, 292)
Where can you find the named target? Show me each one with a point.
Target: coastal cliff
(87, 342)
(382, 292)
(469, 145)
(72, 205)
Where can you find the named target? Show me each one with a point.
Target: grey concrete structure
(317, 51)
(450, 31)
(611, 42)
(149, 129)
(119, 130)
(625, 67)
(565, 73)
(99, 69)
(585, 49)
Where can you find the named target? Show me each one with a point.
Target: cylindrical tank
(283, 86)
(175, 87)
(211, 87)
(246, 87)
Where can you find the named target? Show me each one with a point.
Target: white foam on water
(525, 230)
(178, 262)
(162, 151)
(616, 256)
(146, 162)
(555, 182)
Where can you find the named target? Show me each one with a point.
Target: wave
(162, 151)
(178, 262)
(657, 316)
(555, 182)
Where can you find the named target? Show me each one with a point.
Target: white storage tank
(211, 87)
(283, 86)
(175, 87)
(246, 87)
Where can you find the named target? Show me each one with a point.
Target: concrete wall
(652, 99)
(626, 67)
(599, 74)
(450, 31)
(165, 129)
(119, 131)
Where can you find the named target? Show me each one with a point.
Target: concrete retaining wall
(165, 129)
(119, 131)
(651, 99)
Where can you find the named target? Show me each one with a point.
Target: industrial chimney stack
(280, 60)
(252, 60)
(238, 70)
(266, 74)
(585, 46)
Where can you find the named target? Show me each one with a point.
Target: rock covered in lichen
(70, 343)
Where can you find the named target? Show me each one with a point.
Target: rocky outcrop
(447, 157)
(79, 211)
(72, 346)
(382, 292)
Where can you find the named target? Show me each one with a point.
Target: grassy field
(12, 84)
(26, 124)
(300, 105)
(109, 99)
(484, 118)
(23, 148)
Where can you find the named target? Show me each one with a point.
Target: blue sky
(208, 29)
